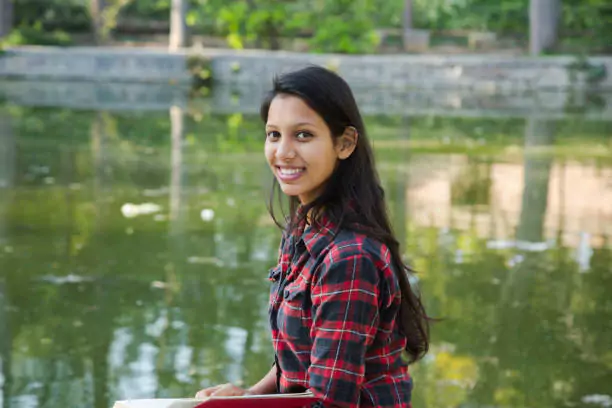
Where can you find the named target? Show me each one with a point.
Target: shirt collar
(315, 237)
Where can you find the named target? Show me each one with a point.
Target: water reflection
(505, 220)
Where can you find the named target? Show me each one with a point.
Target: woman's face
(300, 148)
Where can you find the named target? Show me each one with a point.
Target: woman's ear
(346, 144)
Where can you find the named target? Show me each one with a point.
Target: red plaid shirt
(334, 301)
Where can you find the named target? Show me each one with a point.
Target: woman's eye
(273, 135)
(303, 135)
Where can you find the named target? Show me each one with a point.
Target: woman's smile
(287, 174)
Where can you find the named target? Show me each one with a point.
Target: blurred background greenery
(135, 242)
(345, 26)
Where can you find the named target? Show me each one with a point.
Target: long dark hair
(353, 197)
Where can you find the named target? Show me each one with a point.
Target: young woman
(345, 322)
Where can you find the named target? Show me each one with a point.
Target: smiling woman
(341, 311)
(300, 148)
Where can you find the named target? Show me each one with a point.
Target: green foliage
(344, 26)
(68, 15)
(110, 16)
(260, 22)
(35, 35)
(201, 74)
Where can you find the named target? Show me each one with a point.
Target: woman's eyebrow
(293, 125)
(304, 124)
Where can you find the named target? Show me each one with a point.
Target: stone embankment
(466, 85)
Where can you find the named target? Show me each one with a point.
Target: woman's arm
(267, 385)
(345, 298)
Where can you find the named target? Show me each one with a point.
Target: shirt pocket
(294, 314)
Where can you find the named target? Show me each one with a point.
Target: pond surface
(134, 250)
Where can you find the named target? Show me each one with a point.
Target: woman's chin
(290, 191)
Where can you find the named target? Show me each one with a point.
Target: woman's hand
(223, 390)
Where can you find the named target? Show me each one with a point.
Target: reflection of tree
(99, 153)
(591, 328)
(7, 169)
(536, 327)
(473, 185)
(8, 152)
(539, 135)
(177, 120)
(6, 342)
(519, 337)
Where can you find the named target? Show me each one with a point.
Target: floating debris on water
(584, 252)
(207, 215)
(60, 280)
(532, 246)
(515, 261)
(159, 285)
(598, 399)
(130, 210)
(522, 245)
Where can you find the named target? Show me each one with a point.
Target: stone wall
(153, 79)
(94, 64)
(480, 72)
(491, 73)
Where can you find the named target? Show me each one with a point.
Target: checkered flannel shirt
(334, 303)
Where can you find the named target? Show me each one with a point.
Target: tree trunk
(544, 16)
(6, 17)
(96, 10)
(178, 26)
(407, 18)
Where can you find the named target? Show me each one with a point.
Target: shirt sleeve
(345, 298)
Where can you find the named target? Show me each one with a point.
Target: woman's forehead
(292, 110)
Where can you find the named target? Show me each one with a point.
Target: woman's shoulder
(357, 258)
(349, 244)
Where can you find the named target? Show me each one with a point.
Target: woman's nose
(285, 149)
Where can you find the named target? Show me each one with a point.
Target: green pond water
(134, 250)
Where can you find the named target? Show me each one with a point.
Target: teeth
(289, 172)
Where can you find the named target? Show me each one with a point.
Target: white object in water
(130, 210)
(207, 214)
(598, 399)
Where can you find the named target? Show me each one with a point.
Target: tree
(178, 26)
(407, 21)
(96, 10)
(6, 17)
(544, 17)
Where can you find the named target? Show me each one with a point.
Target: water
(134, 250)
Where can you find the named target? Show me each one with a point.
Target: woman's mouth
(286, 174)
